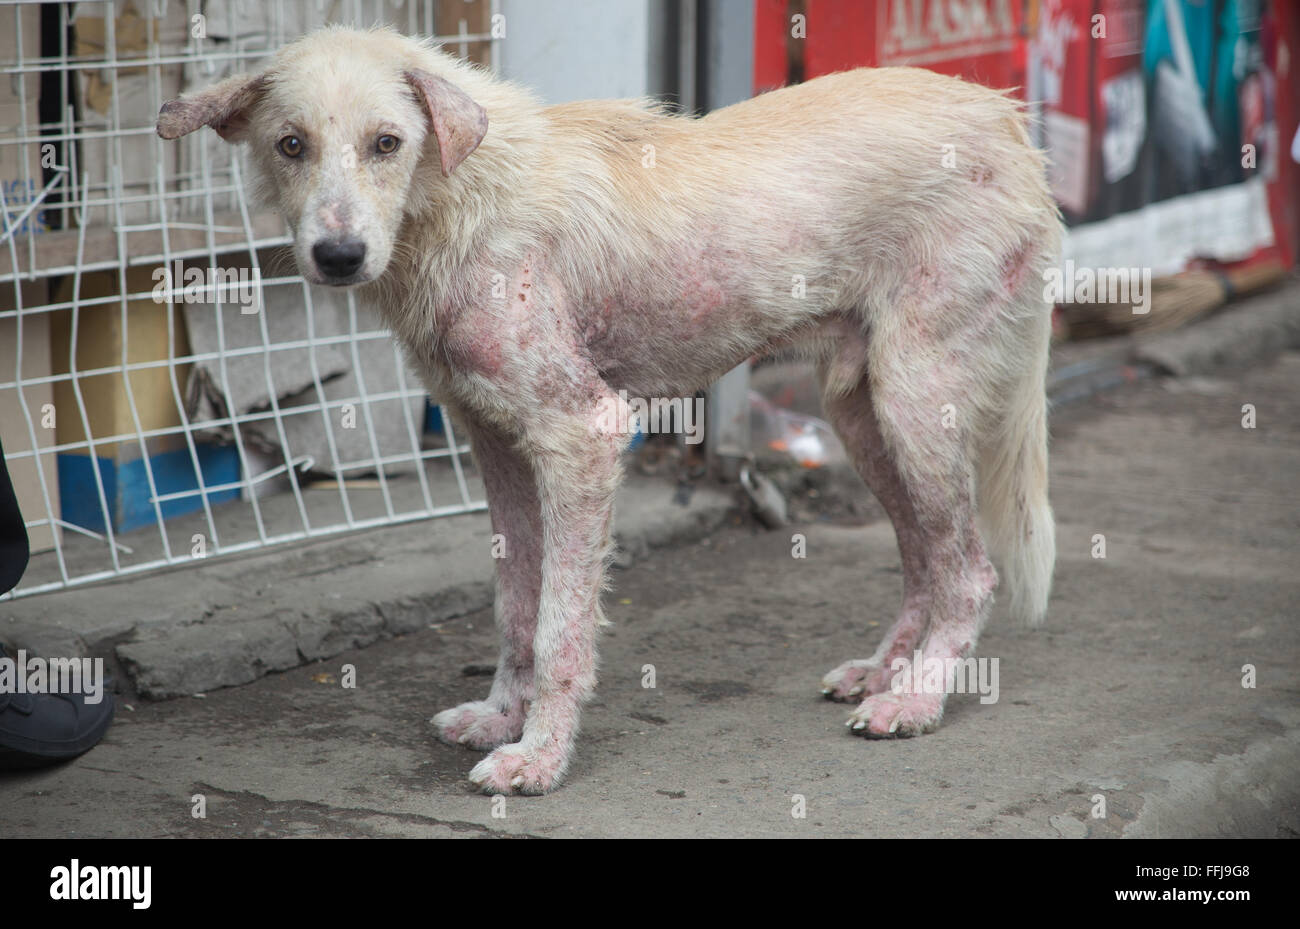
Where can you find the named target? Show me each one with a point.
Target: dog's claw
(894, 715)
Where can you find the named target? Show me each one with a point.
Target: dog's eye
(387, 144)
(290, 146)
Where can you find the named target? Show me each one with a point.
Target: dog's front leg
(517, 547)
(575, 458)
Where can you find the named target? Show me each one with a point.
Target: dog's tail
(1013, 502)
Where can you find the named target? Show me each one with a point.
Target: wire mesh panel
(170, 389)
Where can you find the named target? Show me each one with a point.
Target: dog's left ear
(224, 106)
(458, 122)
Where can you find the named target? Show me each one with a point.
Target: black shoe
(42, 729)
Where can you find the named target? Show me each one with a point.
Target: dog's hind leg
(927, 409)
(517, 547)
(854, 418)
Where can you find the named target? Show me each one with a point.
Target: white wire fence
(170, 389)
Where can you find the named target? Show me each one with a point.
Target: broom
(1174, 301)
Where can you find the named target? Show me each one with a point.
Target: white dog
(535, 261)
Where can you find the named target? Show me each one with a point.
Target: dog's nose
(339, 259)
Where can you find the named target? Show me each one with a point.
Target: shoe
(42, 729)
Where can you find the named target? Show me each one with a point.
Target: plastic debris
(768, 501)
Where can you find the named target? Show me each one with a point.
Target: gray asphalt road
(1131, 697)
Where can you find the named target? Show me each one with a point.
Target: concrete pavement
(1132, 694)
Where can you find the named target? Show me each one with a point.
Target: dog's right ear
(223, 106)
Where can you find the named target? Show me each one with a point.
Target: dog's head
(338, 127)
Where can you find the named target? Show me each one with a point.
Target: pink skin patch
(924, 297)
(859, 678)
(333, 217)
(484, 342)
(952, 636)
(522, 768)
(708, 298)
(482, 353)
(480, 725)
(548, 604)
(516, 521)
(888, 714)
(961, 593)
(921, 479)
(1016, 266)
(709, 273)
(854, 419)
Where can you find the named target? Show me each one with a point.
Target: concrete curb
(1256, 329)
(1240, 335)
(234, 620)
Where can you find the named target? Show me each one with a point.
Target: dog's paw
(478, 725)
(517, 769)
(855, 680)
(889, 714)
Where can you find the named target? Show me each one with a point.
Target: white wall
(578, 49)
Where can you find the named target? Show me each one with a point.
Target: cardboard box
(20, 164)
(22, 21)
(21, 178)
(38, 399)
(102, 331)
(122, 100)
(475, 15)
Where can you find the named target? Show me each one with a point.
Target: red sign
(974, 39)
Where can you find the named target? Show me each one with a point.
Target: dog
(541, 264)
